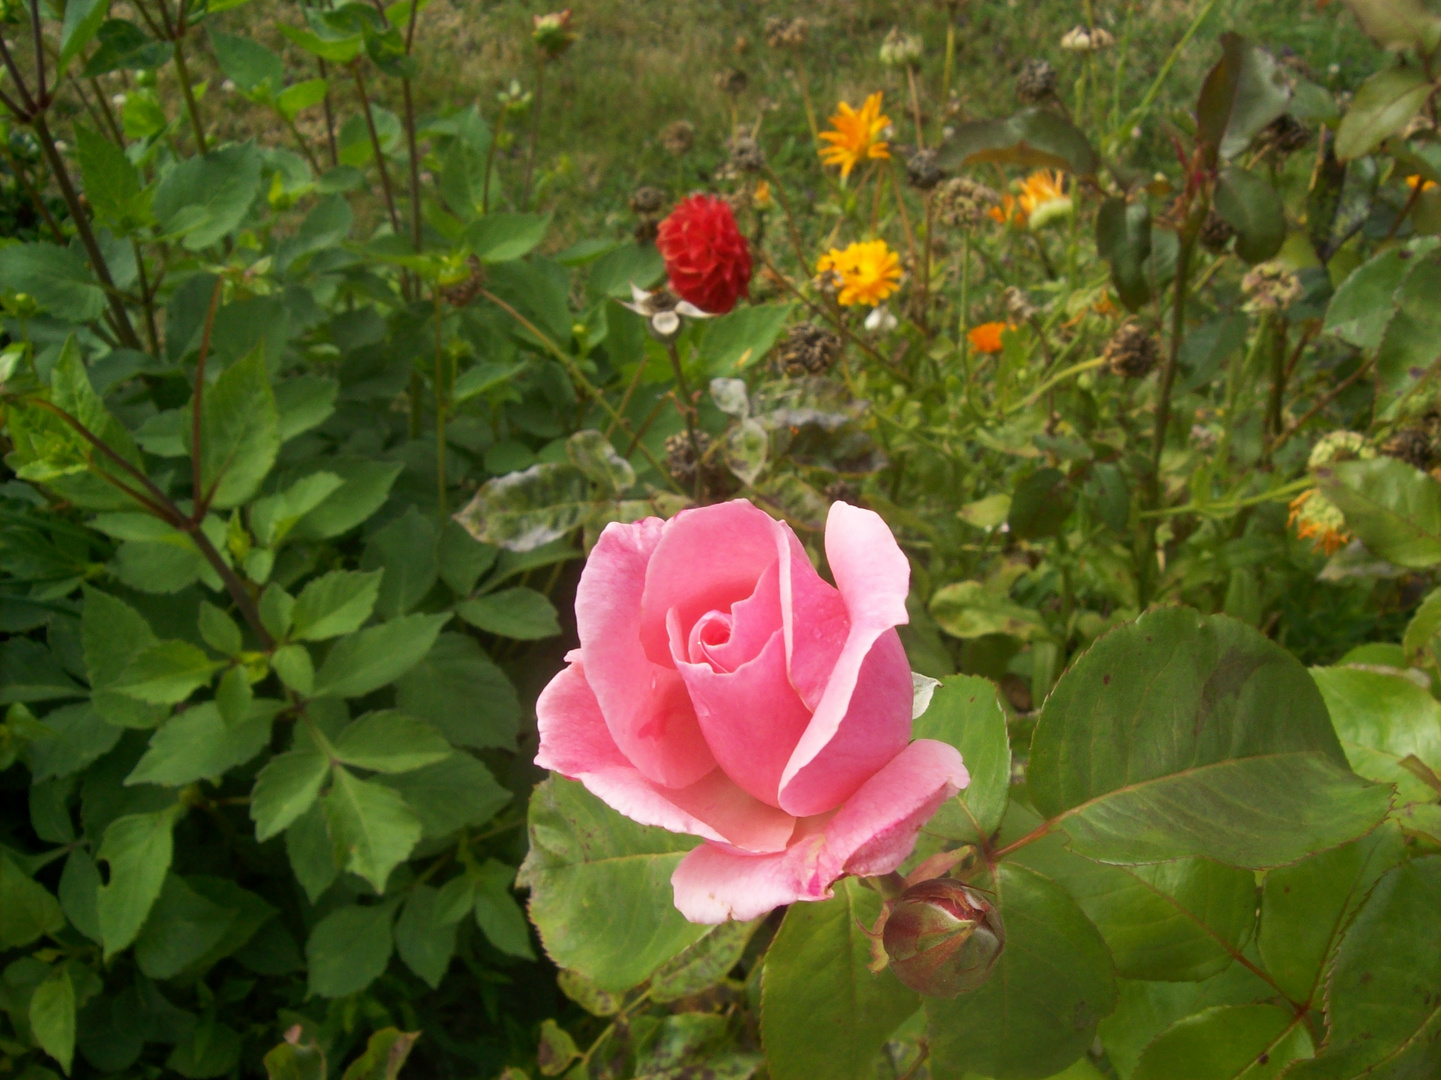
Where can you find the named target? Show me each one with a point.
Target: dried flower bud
(647, 200)
(1083, 40)
(961, 201)
(1286, 134)
(1035, 82)
(783, 33)
(552, 33)
(1216, 233)
(1132, 352)
(943, 938)
(923, 171)
(1412, 445)
(732, 81)
(1271, 287)
(808, 350)
(900, 50)
(1340, 446)
(678, 137)
(462, 292)
(746, 155)
(1018, 305)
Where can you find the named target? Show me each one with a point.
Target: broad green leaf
(519, 613)
(113, 184)
(1381, 108)
(456, 793)
(31, 672)
(1398, 24)
(1244, 92)
(336, 603)
(738, 339)
(405, 550)
(293, 666)
(1229, 1042)
(77, 736)
(205, 197)
(240, 432)
(255, 70)
(198, 744)
(295, 99)
(295, 1061)
(1034, 138)
(970, 609)
(285, 789)
(58, 278)
(210, 1049)
(1412, 343)
(390, 742)
(82, 21)
(311, 854)
(600, 887)
(704, 964)
(463, 558)
(1382, 719)
(272, 517)
(27, 910)
(384, 1057)
(1181, 735)
(306, 401)
(1252, 207)
(483, 378)
(614, 272)
(372, 828)
(1394, 508)
(1175, 921)
(966, 713)
(1123, 238)
(501, 237)
(823, 1011)
(1305, 908)
(123, 45)
(463, 693)
(1038, 1011)
(137, 848)
(79, 893)
(166, 672)
(425, 943)
(1383, 988)
(496, 911)
(592, 453)
(378, 655)
(1040, 504)
(218, 630)
(1364, 303)
(182, 928)
(521, 511)
(349, 948)
(52, 1015)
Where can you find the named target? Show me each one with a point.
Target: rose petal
(706, 559)
(575, 742)
(815, 619)
(645, 706)
(751, 717)
(872, 834)
(753, 622)
(865, 709)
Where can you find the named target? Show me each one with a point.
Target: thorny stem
(687, 411)
(197, 489)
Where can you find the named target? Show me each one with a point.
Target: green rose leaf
(1392, 507)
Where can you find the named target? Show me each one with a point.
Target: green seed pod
(943, 938)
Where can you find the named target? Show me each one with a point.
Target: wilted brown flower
(783, 33)
(1216, 233)
(746, 155)
(1035, 82)
(961, 202)
(678, 137)
(1286, 134)
(1018, 305)
(464, 291)
(1413, 445)
(923, 171)
(808, 350)
(1132, 351)
(552, 33)
(647, 200)
(732, 81)
(1270, 286)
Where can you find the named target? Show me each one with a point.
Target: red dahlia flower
(706, 257)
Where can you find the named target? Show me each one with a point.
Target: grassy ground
(641, 65)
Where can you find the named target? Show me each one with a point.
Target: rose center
(711, 630)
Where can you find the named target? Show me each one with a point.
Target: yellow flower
(763, 199)
(855, 135)
(1413, 182)
(1042, 199)
(868, 272)
(986, 338)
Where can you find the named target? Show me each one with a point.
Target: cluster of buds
(962, 202)
(646, 202)
(942, 938)
(552, 33)
(1131, 352)
(1084, 40)
(900, 49)
(783, 33)
(1271, 287)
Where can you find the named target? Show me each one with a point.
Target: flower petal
(712, 885)
(575, 742)
(864, 714)
(645, 705)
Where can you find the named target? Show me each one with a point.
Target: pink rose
(723, 688)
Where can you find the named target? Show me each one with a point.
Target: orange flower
(1413, 182)
(855, 135)
(1316, 518)
(986, 338)
(1042, 199)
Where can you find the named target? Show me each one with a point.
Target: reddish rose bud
(943, 938)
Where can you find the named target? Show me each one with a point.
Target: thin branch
(30, 109)
(1310, 413)
(816, 309)
(375, 146)
(40, 93)
(329, 118)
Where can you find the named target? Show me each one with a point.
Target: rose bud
(943, 938)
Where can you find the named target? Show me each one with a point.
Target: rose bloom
(706, 257)
(722, 688)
